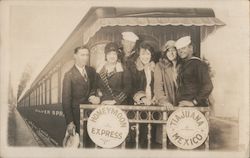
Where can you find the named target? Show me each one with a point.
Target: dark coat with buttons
(194, 82)
(115, 86)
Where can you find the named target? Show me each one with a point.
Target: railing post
(81, 127)
(164, 130)
(137, 131)
(207, 113)
(149, 131)
(123, 145)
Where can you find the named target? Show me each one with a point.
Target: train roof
(98, 17)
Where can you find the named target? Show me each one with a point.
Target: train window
(37, 96)
(41, 94)
(33, 98)
(30, 99)
(43, 89)
(27, 100)
(48, 91)
(54, 88)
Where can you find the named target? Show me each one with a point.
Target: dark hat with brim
(111, 47)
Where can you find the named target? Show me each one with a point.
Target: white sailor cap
(183, 42)
(130, 36)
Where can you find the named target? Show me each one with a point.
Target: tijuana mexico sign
(187, 128)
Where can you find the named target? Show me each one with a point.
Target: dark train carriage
(41, 104)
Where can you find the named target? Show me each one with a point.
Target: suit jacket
(76, 91)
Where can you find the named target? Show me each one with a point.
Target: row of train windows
(46, 93)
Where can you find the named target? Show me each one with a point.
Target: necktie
(84, 74)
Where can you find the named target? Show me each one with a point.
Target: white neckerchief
(175, 73)
(148, 81)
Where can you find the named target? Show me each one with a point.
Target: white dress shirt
(82, 71)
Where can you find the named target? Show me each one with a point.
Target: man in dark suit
(78, 88)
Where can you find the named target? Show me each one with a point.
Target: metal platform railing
(141, 114)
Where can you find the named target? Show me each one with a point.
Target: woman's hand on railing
(94, 100)
(169, 106)
(108, 102)
(146, 101)
(186, 103)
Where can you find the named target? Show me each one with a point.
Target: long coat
(76, 91)
(116, 85)
(165, 86)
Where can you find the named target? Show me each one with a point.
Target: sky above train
(36, 33)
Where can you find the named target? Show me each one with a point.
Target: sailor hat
(183, 42)
(130, 36)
